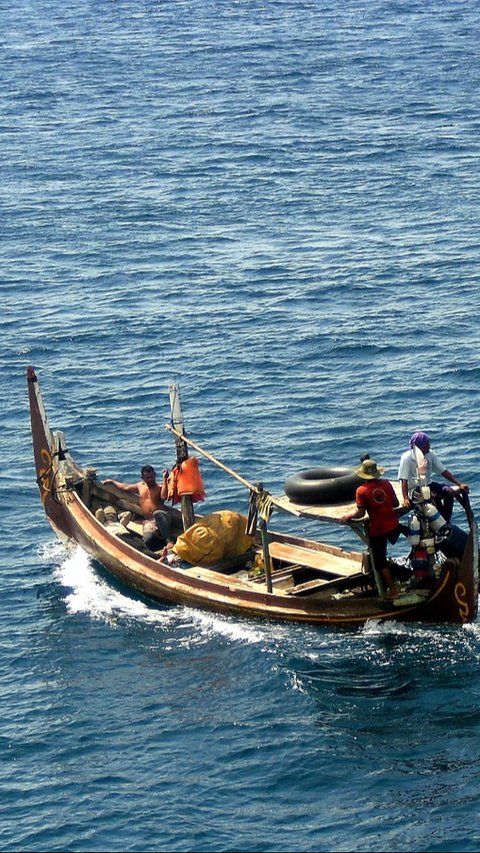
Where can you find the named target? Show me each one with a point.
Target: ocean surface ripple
(276, 205)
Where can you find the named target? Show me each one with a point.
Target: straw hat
(369, 470)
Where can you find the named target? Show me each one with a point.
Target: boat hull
(453, 599)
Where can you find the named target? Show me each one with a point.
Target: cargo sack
(218, 536)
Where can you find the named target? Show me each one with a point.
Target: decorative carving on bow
(460, 597)
(45, 477)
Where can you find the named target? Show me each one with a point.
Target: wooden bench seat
(217, 577)
(318, 584)
(326, 562)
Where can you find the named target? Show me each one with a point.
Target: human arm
(405, 474)
(452, 479)
(360, 510)
(124, 487)
(351, 516)
(406, 499)
(164, 486)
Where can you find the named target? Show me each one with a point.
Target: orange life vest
(172, 481)
(185, 479)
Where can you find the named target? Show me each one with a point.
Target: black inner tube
(318, 486)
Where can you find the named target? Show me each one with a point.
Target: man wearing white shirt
(416, 470)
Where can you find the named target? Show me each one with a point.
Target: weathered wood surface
(330, 564)
(328, 512)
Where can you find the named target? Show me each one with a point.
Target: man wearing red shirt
(377, 498)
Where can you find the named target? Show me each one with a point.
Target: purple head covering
(421, 440)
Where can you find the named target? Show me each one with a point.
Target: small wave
(51, 551)
(87, 592)
(213, 624)
(473, 628)
(373, 629)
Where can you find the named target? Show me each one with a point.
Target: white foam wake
(88, 592)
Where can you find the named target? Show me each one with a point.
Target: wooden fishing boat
(280, 577)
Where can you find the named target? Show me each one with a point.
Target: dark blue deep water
(276, 204)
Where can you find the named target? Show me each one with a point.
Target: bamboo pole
(359, 528)
(186, 503)
(213, 459)
(266, 554)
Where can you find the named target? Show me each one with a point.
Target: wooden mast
(186, 502)
(179, 435)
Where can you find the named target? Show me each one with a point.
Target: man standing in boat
(416, 469)
(152, 497)
(377, 498)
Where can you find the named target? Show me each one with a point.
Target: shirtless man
(152, 497)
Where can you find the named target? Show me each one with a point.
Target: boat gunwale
(71, 519)
(174, 585)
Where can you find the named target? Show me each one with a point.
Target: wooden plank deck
(330, 564)
(327, 512)
(217, 577)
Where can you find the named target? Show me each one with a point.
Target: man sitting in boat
(416, 469)
(152, 497)
(377, 498)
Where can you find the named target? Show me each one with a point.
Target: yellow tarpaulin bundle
(218, 536)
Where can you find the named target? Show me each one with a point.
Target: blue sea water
(277, 205)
